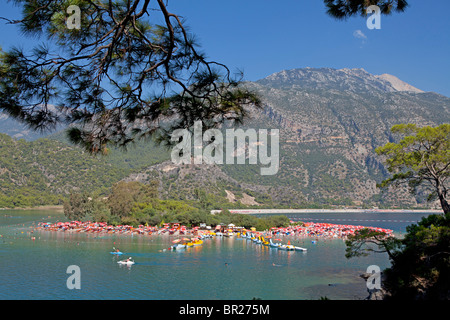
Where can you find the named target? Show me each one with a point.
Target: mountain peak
(346, 79)
(398, 84)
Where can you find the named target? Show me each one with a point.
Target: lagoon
(220, 269)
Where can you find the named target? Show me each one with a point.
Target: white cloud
(359, 34)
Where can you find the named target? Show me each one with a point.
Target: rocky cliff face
(331, 122)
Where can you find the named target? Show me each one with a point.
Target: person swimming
(276, 265)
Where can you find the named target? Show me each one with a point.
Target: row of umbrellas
(310, 228)
(88, 226)
(326, 229)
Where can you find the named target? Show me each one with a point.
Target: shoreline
(60, 208)
(284, 211)
(49, 207)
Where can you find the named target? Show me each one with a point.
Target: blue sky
(263, 37)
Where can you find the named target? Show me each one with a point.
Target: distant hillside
(330, 123)
(17, 130)
(45, 171)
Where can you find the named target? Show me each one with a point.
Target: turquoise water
(222, 268)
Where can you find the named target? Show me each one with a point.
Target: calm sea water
(222, 268)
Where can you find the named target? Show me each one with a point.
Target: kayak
(128, 263)
(300, 249)
(117, 252)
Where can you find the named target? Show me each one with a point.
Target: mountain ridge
(344, 79)
(328, 137)
(330, 122)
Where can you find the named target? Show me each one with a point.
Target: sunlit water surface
(222, 268)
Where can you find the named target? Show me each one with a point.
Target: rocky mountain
(398, 84)
(17, 130)
(330, 123)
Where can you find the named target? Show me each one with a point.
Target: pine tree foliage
(343, 9)
(131, 70)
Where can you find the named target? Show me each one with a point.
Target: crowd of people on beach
(100, 227)
(309, 229)
(325, 230)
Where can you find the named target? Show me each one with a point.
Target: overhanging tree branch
(120, 77)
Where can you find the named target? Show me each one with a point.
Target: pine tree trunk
(444, 204)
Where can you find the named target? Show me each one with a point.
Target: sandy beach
(310, 229)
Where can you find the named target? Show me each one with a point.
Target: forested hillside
(45, 171)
